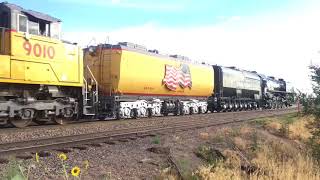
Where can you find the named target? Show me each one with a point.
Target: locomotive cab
(36, 67)
(16, 19)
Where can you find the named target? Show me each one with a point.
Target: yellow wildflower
(37, 157)
(63, 156)
(75, 171)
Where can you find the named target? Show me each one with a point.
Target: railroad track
(78, 141)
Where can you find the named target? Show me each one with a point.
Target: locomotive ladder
(90, 94)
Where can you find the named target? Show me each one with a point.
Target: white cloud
(131, 4)
(115, 1)
(278, 45)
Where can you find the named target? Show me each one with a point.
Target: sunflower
(37, 157)
(75, 171)
(63, 156)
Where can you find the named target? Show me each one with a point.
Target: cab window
(23, 23)
(44, 29)
(33, 28)
(55, 30)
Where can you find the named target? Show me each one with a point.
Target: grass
(156, 140)
(209, 154)
(218, 139)
(19, 170)
(14, 171)
(299, 129)
(268, 166)
(270, 158)
(251, 152)
(167, 174)
(285, 119)
(289, 118)
(184, 164)
(291, 126)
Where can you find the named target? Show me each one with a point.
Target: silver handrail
(97, 85)
(85, 93)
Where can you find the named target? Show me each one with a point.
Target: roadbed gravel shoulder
(131, 160)
(8, 135)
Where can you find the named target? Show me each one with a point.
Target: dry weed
(167, 174)
(233, 158)
(245, 131)
(273, 125)
(176, 138)
(273, 167)
(240, 143)
(269, 165)
(226, 130)
(204, 135)
(274, 159)
(299, 131)
(217, 173)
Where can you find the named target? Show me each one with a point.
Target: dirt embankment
(269, 148)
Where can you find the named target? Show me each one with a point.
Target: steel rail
(100, 137)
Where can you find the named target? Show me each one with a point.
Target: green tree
(312, 106)
(315, 102)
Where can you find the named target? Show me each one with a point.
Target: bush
(156, 140)
(209, 154)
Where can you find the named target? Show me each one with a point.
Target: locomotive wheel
(191, 111)
(134, 113)
(149, 112)
(118, 117)
(40, 122)
(178, 111)
(62, 120)
(19, 122)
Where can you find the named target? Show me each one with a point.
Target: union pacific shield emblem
(177, 76)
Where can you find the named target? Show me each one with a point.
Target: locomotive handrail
(96, 82)
(85, 91)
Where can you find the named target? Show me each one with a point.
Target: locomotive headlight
(92, 51)
(215, 99)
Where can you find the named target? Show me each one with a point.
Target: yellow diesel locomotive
(41, 76)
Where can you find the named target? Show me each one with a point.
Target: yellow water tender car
(134, 82)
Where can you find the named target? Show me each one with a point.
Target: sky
(279, 38)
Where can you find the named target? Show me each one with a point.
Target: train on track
(43, 78)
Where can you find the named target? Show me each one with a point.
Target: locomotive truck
(44, 78)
